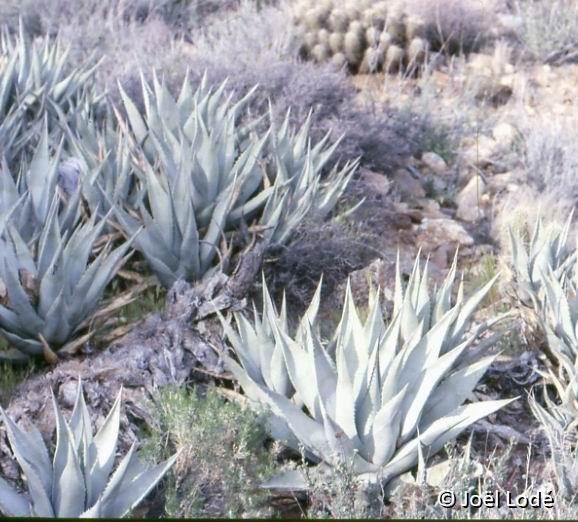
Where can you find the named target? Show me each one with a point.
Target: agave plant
(33, 192)
(562, 440)
(78, 481)
(52, 285)
(99, 162)
(547, 248)
(559, 319)
(375, 391)
(203, 173)
(34, 80)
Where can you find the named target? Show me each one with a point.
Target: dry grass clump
(550, 155)
(455, 26)
(548, 29)
(126, 35)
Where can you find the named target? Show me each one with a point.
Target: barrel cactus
(365, 36)
(375, 391)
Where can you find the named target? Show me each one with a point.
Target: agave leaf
(19, 302)
(386, 430)
(132, 492)
(439, 433)
(129, 484)
(102, 452)
(13, 504)
(34, 463)
(470, 306)
(453, 390)
(422, 389)
(136, 122)
(68, 487)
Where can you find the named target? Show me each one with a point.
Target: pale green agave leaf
(531, 261)
(34, 79)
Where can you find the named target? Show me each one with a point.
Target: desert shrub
(125, 36)
(550, 156)
(221, 454)
(332, 250)
(548, 29)
(455, 25)
(51, 16)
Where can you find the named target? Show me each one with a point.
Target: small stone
(67, 393)
(468, 200)
(435, 163)
(376, 182)
(499, 182)
(434, 232)
(481, 63)
(480, 151)
(407, 184)
(504, 134)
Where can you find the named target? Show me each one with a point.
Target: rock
(481, 63)
(442, 256)
(67, 393)
(432, 233)
(407, 184)
(435, 163)
(468, 200)
(431, 208)
(69, 172)
(499, 182)
(479, 151)
(504, 134)
(376, 182)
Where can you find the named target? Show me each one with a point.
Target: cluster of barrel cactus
(363, 35)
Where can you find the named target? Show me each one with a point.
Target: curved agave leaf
(34, 79)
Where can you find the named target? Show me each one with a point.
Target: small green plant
(11, 376)
(77, 482)
(222, 456)
(479, 273)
